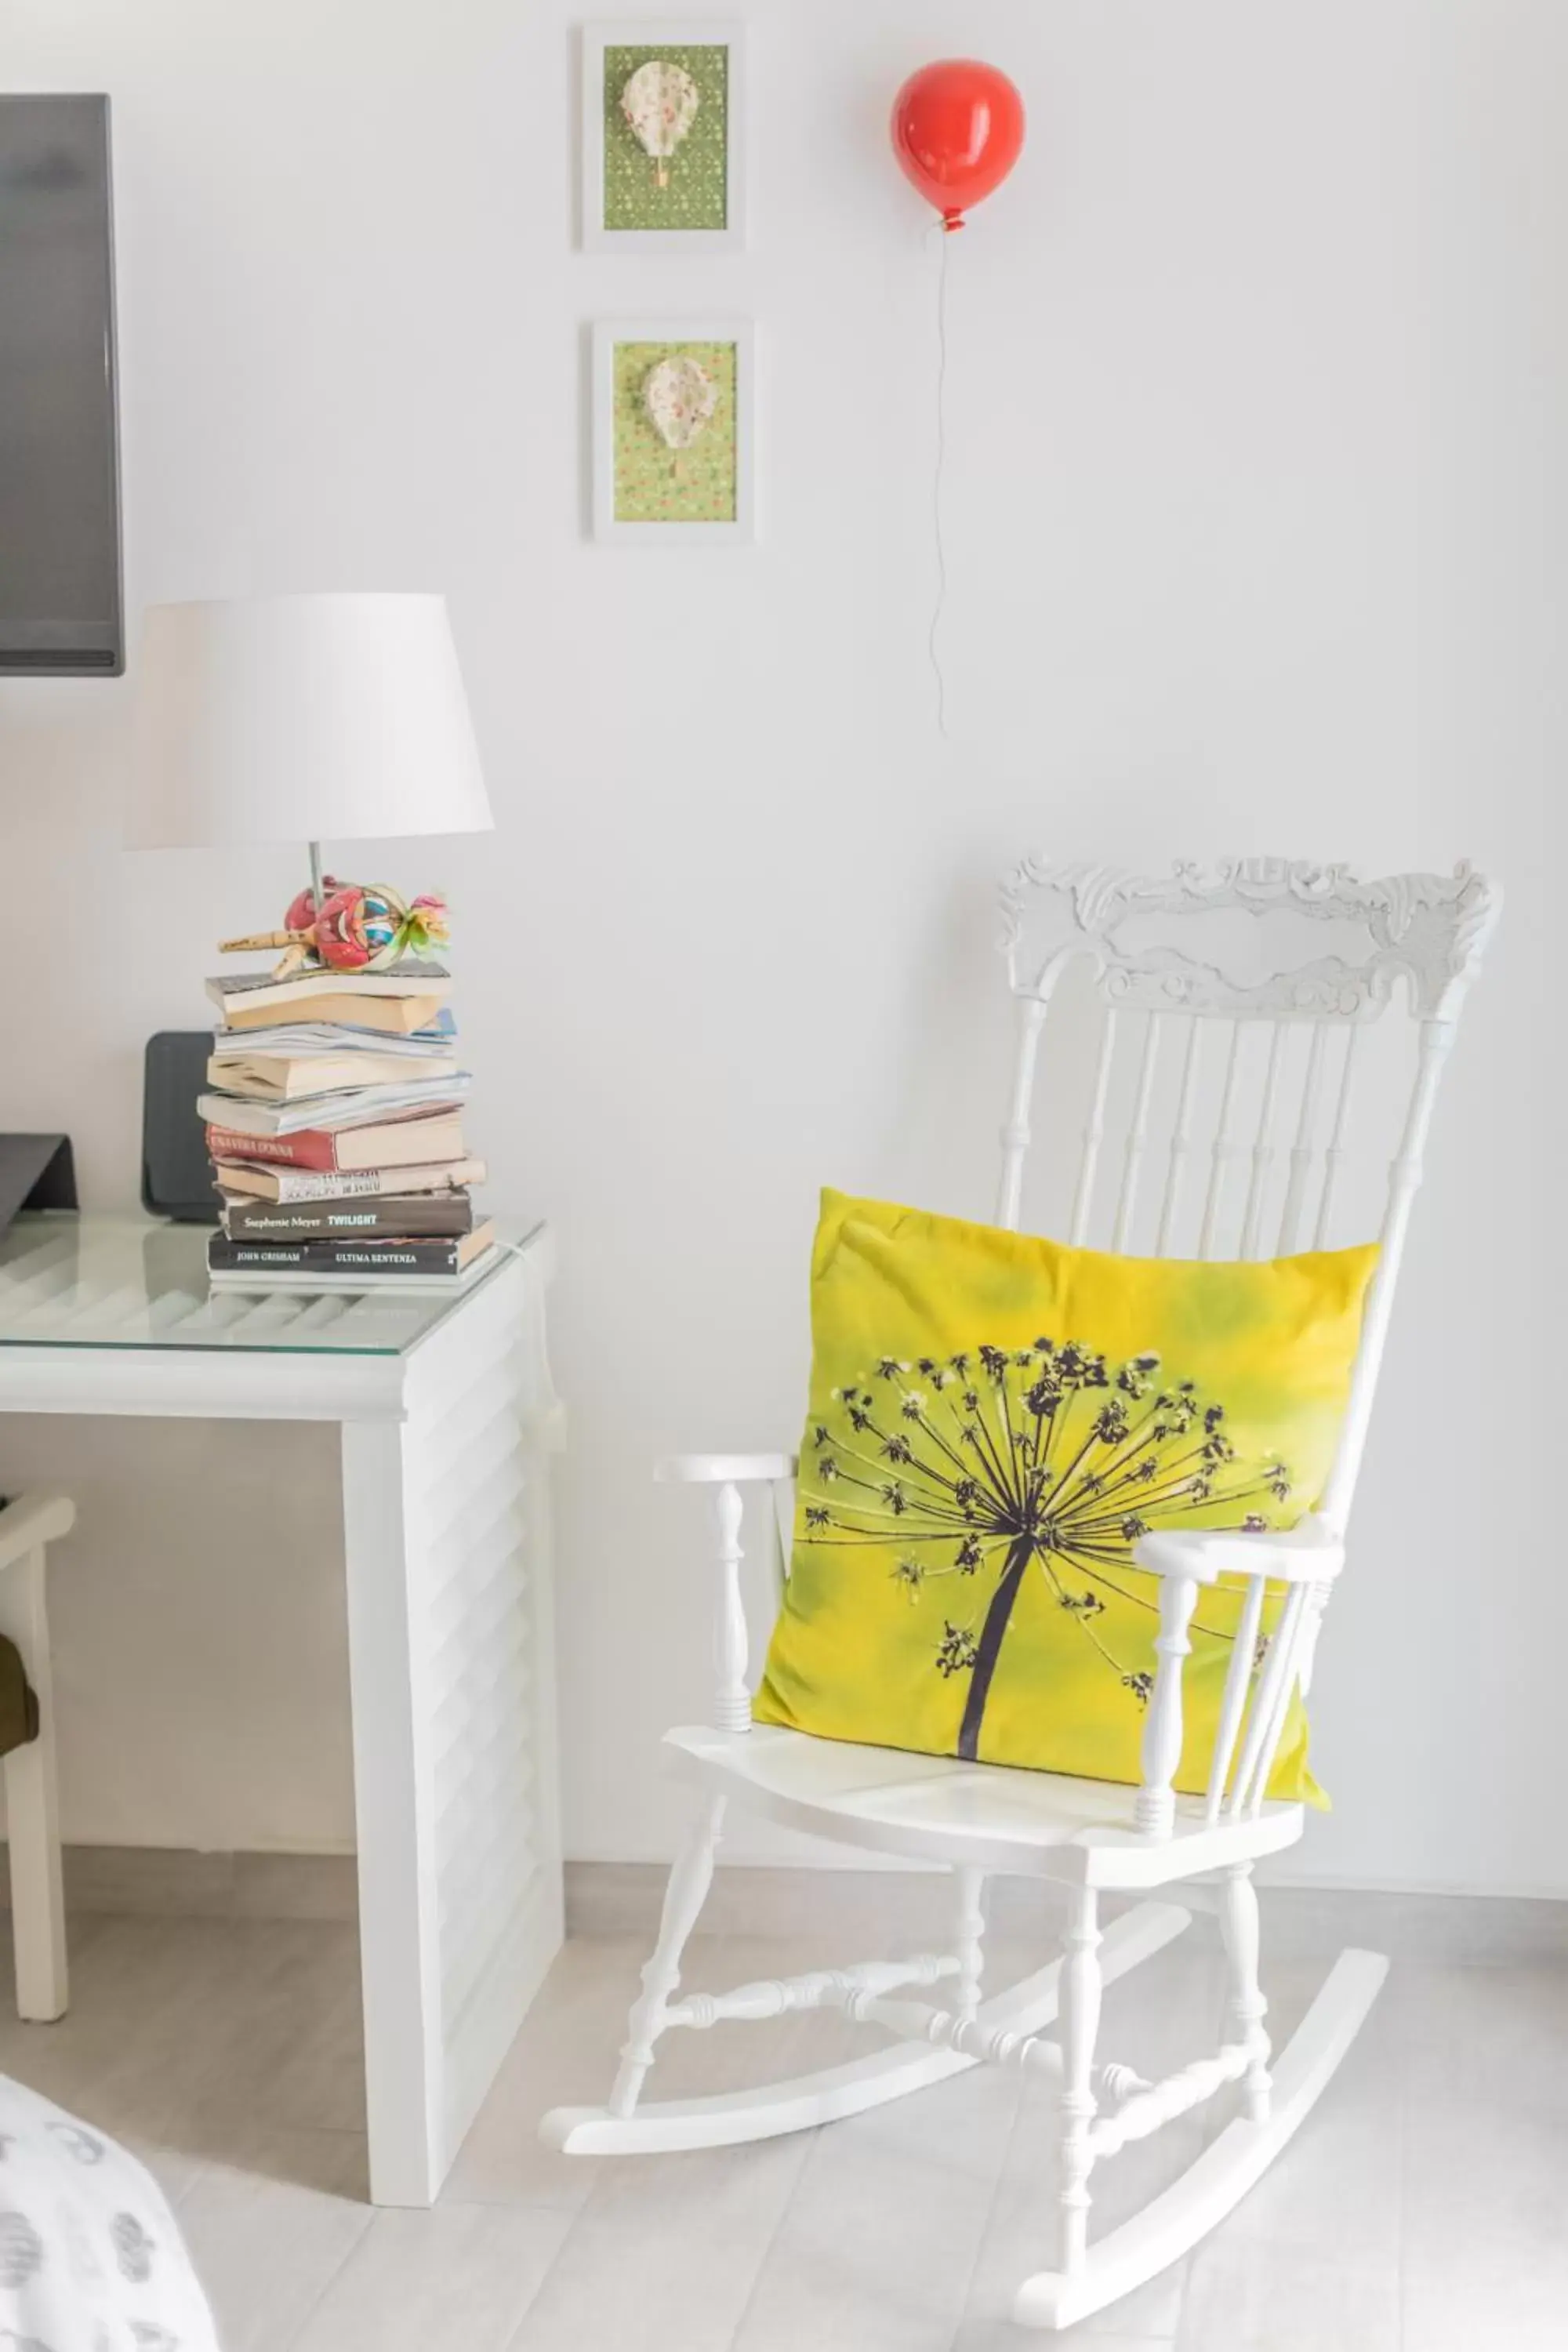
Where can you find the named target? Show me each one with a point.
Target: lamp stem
(316, 890)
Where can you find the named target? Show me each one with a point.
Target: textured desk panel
(133, 1282)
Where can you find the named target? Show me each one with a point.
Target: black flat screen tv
(61, 609)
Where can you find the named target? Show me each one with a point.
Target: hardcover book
(374, 1259)
(404, 1215)
(310, 1280)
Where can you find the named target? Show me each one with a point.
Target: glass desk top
(69, 1281)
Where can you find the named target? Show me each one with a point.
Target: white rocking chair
(1240, 1056)
(29, 1525)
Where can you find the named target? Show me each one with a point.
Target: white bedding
(90, 2257)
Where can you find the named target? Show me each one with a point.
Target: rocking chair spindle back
(1234, 1002)
(1253, 986)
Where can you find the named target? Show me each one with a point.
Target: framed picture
(663, 136)
(674, 430)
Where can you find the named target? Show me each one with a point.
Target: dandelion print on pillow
(994, 1420)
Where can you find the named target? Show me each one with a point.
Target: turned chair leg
(970, 1934)
(1080, 1995)
(32, 1805)
(690, 1876)
(1246, 2008)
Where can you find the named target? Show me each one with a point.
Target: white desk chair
(1249, 1042)
(27, 1523)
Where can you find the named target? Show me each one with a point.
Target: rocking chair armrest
(1307, 1558)
(726, 1473)
(1308, 1553)
(724, 1469)
(29, 1520)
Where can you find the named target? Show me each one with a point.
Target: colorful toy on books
(361, 927)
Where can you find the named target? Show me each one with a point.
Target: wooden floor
(1420, 2210)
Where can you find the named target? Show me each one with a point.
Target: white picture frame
(608, 335)
(659, 33)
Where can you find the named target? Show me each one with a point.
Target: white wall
(1255, 511)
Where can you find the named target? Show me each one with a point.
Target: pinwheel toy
(360, 926)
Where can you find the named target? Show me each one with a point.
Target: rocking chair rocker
(1275, 1050)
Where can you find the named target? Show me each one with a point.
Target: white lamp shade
(303, 719)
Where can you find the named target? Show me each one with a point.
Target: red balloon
(958, 127)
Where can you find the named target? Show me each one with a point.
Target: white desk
(447, 1414)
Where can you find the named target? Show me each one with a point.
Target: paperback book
(337, 1108)
(298, 1037)
(258, 1281)
(411, 980)
(248, 1179)
(290, 1077)
(392, 1016)
(403, 1142)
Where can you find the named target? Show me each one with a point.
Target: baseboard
(849, 1908)
(845, 1908)
(179, 1882)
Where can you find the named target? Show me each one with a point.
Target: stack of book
(334, 1121)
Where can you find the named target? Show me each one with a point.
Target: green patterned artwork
(654, 482)
(694, 195)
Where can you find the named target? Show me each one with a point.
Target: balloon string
(936, 484)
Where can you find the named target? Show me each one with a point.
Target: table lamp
(303, 719)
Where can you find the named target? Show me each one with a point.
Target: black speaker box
(176, 1174)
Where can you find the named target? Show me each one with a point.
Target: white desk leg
(446, 1526)
(32, 1805)
(399, 1965)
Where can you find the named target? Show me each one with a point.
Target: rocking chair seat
(992, 1817)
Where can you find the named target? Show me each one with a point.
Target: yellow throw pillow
(994, 1420)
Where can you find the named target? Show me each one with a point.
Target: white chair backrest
(1233, 1066)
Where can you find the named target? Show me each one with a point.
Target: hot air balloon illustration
(679, 397)
(659, 103)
